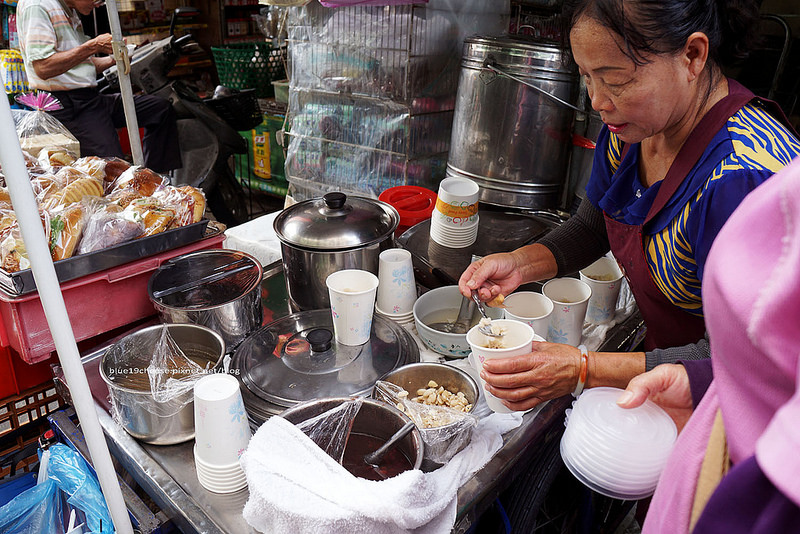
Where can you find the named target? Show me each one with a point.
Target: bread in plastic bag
(52, 158)
(188, 203)
(155, 217)
(66, 230)
(93, 166)
(38, 129)
(107, 224)
(140, 179)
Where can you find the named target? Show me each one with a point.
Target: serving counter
(167, 473)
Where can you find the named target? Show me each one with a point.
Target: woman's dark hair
(663, 26)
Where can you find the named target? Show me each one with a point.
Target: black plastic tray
(21, 282)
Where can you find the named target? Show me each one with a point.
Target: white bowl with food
(441, 305)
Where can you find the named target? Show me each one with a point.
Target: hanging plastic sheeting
(24, 203)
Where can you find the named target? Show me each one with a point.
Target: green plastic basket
(250, 66)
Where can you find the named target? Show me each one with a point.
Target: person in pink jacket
(736, 464)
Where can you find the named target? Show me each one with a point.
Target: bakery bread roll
(73, 192)
(114, 167)
(5, 196)
(55, 156)
(93, 166)
(44, 184)
(140, 179)
(124, 197)
(67, 175)
(188, 202)
(66, 227)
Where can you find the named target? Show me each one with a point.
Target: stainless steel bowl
(441, 443)
(124, 369)
(375, 418)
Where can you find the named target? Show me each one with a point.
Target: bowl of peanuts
(439, 398)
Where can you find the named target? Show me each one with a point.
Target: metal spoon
(462, 322)
(374, 458)
(484, 329)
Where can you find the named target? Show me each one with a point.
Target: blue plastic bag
(38, 510)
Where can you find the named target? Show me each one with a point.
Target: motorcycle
(207, 140)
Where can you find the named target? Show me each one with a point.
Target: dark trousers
(94, 118)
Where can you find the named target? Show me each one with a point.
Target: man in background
(62, 60)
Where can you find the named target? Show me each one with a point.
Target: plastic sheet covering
(330, 429)
(107, 224)
(372, 92)
(40, 510)
(171, 372)
(445, 431)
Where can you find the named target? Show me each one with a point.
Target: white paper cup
(456, 203)
(397, 289)
(531, 308)
(222, 431)
(570, 298)
(518, 339)
(352, 295)
(605, 278)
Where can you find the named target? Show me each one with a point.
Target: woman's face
(635, 101)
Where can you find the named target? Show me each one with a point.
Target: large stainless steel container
(125, 369)
(324, 235)
(511, 139)
(217, 288)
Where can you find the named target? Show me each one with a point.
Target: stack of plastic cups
(222, 433)
(397, 288)
(454, 222)
(614, 451)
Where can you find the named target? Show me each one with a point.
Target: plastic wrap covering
(372, 92)
(171, 372)
(40, 509)
(107, 224)
(445, 430)
(330, 430)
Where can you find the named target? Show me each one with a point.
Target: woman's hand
(522, 382)
(491, 275)
(668, 386)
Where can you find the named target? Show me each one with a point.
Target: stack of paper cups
(454, 222)
(222, 433)
(397, 288)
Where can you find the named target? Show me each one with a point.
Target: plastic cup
(570, 298)
(605, 278)
(222, 431)
(517, 340)
(397, 288)
(531, 308)
(352, 295)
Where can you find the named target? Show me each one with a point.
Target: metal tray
(21, 282)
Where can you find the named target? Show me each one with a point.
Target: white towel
(296, 487)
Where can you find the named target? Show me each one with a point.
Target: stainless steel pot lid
(336, 222)
(204, 279)
(297, 358)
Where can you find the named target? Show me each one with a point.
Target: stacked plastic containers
(614, 451)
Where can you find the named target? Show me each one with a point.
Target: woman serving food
(681, 146)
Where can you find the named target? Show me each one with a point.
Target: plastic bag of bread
(91, 165)
(37, 130)
(139, 179)
(114, 167)
(52, 158)
(123, 197)
(44, 184)
(155, 217)
(13, 256)
(66, 229)
(189, 203)
(107, 224)
(75, 185)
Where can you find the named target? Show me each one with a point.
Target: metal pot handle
(492, 67)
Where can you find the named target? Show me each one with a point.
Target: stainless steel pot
(514, 140)
(374, 418)
(124, 369)
(217, 288)
(324, 235)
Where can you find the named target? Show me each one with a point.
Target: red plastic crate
(96, 304)
(17, 376)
